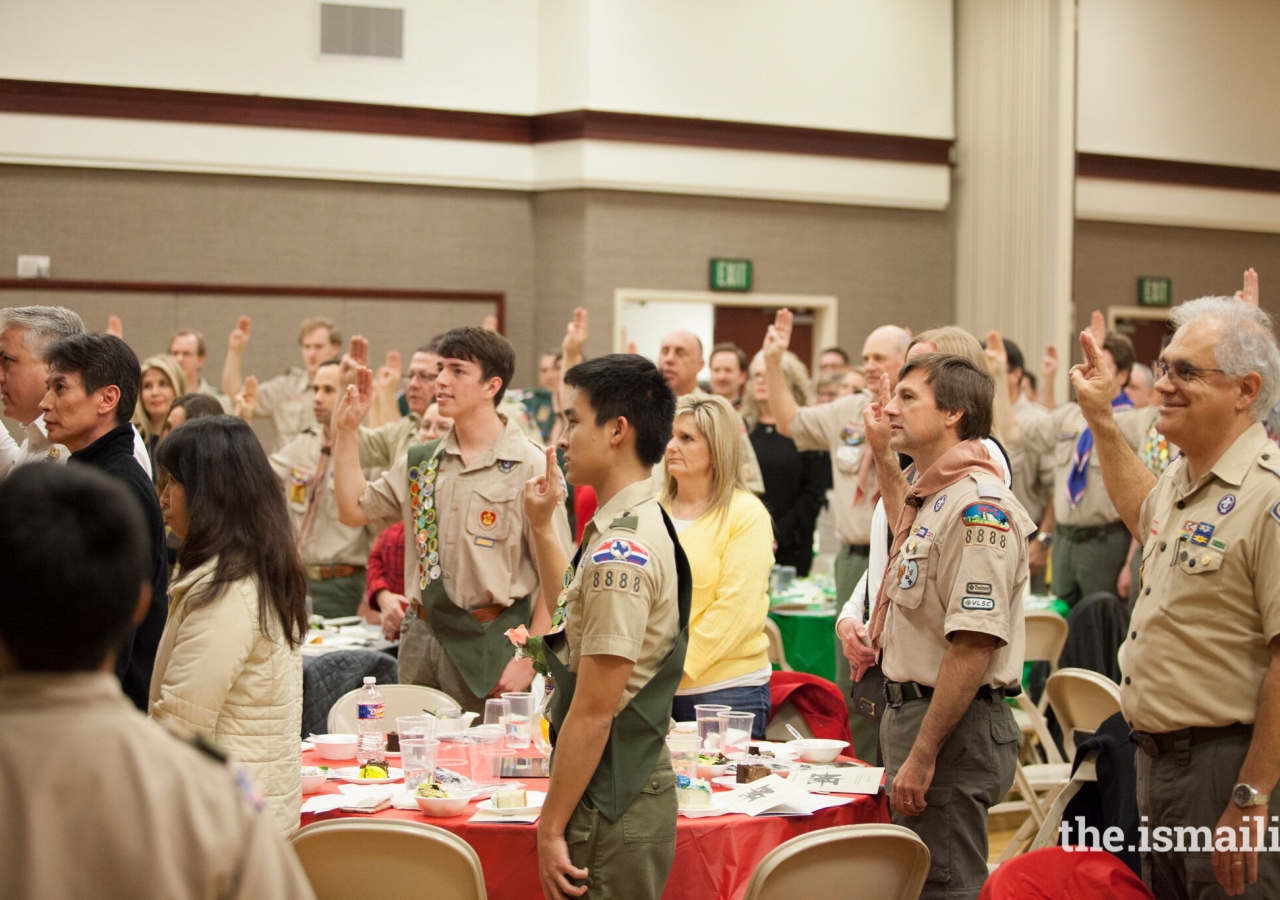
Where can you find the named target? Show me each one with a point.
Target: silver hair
(43, 324)
(1245, 343)
(1147, 376)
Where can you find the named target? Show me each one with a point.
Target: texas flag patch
(620, 550)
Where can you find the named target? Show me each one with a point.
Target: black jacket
(113, 453)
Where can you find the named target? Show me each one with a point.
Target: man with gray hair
(1141, 387)
(1201, 685)
(26, 332)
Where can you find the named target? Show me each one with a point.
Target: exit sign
(730, 274)
(1155, 291)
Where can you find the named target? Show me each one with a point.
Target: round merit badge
(908, 573)
(488, 518)
(1226, 504)
(941, 500)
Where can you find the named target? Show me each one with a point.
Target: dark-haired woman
(228, 667)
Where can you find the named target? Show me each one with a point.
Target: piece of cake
(713, 759)
(375, 768)
(510, 798)
(393, 742)
(692, 793)
(432, 789)
(748, 772)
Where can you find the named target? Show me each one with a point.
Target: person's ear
(108, 398)
(953, 418)
(1250, 387)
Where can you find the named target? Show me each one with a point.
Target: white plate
(535, 798)
(731, 781)
(351, 775)
(719, 807)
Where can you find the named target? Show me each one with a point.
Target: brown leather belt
(325, 573)
(1155, 744)
(484, 615)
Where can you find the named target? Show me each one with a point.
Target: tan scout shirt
(330, 542)
(1209, 602)
(964, 568)
(837, 428)
(286, 400)
(486, 545)
(1032, 471)
(114, 806)
(380, 447)
(1057, 436)
(623, 600)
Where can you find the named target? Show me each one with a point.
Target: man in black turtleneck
(93, 387)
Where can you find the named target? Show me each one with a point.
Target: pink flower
(518, 636)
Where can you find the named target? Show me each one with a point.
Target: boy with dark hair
(93, 388)
(471, 572)
(152, 796)
(620, 617)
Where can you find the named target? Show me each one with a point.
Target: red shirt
(386, 564)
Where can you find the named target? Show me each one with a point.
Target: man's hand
(1249, 293)
(1235, 869)
(1037, 557)
(115, 326)
(1049, 365)
(854, 643)
(387, 378)
(910, 784)
(874, 421)
(555, 868)
(245, 403)
(353, 360)
(542, 495)
(997, 357)
(575, 336)
(392, 607)
(1124, 582)
(517, 676)
(489, 323)
(778, 338)
(1092, 381)
(239, 335)
(354, 405)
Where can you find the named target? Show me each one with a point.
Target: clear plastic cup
(497, 712)
(418, 758)
(737, 732)
(710, 718)
(416, 726)
(518, 731)
(684, 753)
(486, 748)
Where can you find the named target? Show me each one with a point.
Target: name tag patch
(986, 515)
(978, 604)
(978, 587)
(484, 541)
(620, 550)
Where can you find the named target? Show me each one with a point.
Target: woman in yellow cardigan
(728, 536)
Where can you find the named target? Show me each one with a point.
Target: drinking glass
(418, 757)
(737, 732)
(711, 726)
(684, 753)
(518, 734)
(486, 748)
(498, 712)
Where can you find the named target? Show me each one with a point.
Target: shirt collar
(178, 589)
(509, 446)
(23, 690)
(37, 433)
(1233, 465)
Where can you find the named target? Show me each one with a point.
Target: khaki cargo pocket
(581, 834)
(651, 817)
(936, 833)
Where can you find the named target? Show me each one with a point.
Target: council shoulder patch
(986, 515)
(1275, 512)
(620, 550)
(978, 604)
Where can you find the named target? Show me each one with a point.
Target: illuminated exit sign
(730, 274)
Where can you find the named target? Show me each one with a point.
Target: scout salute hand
(542, 494)
(355, 403)
(1092, 381)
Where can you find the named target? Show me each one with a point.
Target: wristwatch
(1045, 538)
(1246, 795)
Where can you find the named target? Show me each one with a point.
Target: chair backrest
(397, 700)
(776, 654)
(369, 859)
(1082, 700)
(326, 678)
(1046, 636)
(886, 862)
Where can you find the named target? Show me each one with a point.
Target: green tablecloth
(809, 640)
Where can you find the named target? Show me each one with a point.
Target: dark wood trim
(1171, 171)
(498, 298)
(601, 125)
(108, 101)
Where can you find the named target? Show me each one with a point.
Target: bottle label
(371, 710)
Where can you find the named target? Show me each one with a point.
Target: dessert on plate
(692, 793)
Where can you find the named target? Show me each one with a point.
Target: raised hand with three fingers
(778, 338)
(354, 405)
(239, 335)
(1249, 293)
(542, 494)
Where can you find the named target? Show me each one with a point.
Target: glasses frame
(1163, 369)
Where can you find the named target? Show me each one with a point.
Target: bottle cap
(369, 679)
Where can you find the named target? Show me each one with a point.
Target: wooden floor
(998, 836)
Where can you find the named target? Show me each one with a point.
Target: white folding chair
(397, 700)
(371, 859)
(1081, 700)
(777, 655)
(1046, 636)
(885, 862)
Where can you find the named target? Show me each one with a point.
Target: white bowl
(706, 772)
(442, 807)
(313, 783)
(335, 746)
(818, 750)
(455, 726)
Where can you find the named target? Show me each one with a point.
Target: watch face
(1242, 794)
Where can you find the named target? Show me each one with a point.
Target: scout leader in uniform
(620, 629)
(470, 572)
(1201, 685)
(948, 621)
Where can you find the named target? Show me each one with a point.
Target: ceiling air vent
(361, 30)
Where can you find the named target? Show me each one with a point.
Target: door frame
(825, 311)
(1148, 313)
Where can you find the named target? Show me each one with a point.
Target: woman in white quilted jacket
(228, 667)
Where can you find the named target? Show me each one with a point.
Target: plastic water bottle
(371, 741)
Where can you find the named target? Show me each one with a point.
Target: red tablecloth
(714, 856)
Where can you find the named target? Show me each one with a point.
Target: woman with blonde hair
(162, 383)
(795, 482)
(728, 537)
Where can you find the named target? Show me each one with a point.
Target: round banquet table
(808, 639)
(715, 855)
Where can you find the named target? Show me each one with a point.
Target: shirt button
(1266, 456)
(450, 540)
(1182, 504)
(1133, 634)
(1147, 591)
(455, 507)
(1126, 680)
(1162, 546)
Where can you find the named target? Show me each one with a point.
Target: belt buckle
(1146, 743)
